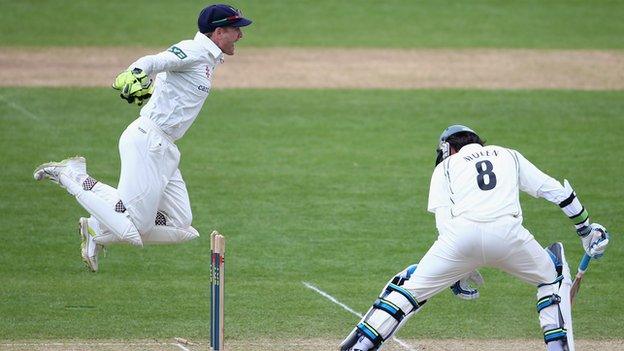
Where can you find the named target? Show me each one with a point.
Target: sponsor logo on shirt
(203, 88)
(178, 52)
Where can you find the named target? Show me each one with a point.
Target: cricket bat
(579, 276)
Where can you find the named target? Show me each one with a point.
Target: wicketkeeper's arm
(163, 61)
(135, 83)
(135, 86)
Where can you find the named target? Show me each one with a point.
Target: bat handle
(584, 263)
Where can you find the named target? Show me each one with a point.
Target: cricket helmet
(444, 148)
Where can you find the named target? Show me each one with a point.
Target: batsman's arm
(594, 237)
(539, 184)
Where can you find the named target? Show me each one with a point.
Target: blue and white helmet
(444, 149)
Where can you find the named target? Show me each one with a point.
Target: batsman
(474, 194)
(151, 204)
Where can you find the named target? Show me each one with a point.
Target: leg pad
(383, 319)
(553, 303)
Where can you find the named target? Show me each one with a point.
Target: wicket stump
(217, 260)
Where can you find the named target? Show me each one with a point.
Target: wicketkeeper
(474, 194)
(151, 204)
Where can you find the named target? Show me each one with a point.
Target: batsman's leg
(394, 305)
(547, 269)
(442, 265)
(554, 305)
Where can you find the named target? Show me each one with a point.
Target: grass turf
(325, 186)
(569, 24)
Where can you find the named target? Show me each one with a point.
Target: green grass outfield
(551, 24)
(324, 186)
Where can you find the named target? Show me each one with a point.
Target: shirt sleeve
(537, 183)
(438, 190)
(170, 60)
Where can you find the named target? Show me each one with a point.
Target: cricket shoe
(75, 168)
(89, 249)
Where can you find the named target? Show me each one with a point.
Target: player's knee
(131, 235)
(192, 233)
(186, 220)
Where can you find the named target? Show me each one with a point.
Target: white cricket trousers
(151, 204)
(150, 180)
(464, 245)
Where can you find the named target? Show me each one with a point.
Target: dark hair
(461, 139)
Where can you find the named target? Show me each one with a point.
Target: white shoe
(74, 167)
(89, 249)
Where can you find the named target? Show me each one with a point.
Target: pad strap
(555, 334)
(544, 302)
(405, 293)
(390, 309)
(559, 278)
(370, 333)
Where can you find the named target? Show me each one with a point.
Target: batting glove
(595, 240)
(135, 86)
(463, 288)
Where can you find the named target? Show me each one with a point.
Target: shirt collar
(469, 147)
(209, 45)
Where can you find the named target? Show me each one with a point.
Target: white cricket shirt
(482, 183)
(183, 81)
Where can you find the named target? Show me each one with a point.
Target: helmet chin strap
(444, 151)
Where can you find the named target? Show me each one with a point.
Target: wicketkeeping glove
(463, 289)
(595, 240)
(135, 86)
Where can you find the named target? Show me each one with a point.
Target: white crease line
(349, 309)
(105, 344)
(21, 109)
(332, 299)
(181, 347)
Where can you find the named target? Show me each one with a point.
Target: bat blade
(575, 286)
(579, 277)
